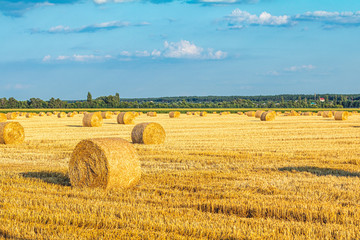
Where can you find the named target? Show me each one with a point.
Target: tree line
(114, 101)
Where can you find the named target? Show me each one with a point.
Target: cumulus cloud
(239, 19)
(176, 50)
(90, 28)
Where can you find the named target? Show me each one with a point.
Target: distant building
(322, 99)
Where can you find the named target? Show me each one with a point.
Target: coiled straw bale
(152, 114)
(250, 114)
(341, 115)
(268, 116)
(104, 163)
(240, 113)
(71, 114)
(49, 114)
(92, 120)
(61, 115)
(203, 114)
(319, 113)
(148, 133)
(327, 114)
(258, 113)
(125, 118)
(29, 115)
(41, 114)
(11, 133)
(106, 115)
(3, 117)
(11, 115)
(188, 113)
(174, 114)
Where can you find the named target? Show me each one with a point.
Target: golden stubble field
(216, 177)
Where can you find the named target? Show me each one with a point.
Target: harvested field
(218, 177)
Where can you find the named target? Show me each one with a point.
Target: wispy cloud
(290, 70)
(204, 2)
(90, 28)
(176, 50)
(17, 8)
(239, 19)
(16, 86)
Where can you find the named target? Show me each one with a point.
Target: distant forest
(276, 101)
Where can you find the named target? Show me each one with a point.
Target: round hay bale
(174, 114)
(29, 115)
(41, 114)
(92, 120)
(3, 117)
(327, 114)
(240, 113)
(152, 114)
(319, 113)
(341, 115)
(61, 115)
(188, 113)
(11, 115)
(104, 163)
(214, 112)
(49, 114)
(106, 115)
(71, 114)
(125, 118)
(268, 116)
(203, 114)
(250, 114)
(11, 133)
(148, 133)
(307, 113)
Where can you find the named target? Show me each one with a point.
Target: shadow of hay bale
(49, 177)
(321, 171)
(73, 125)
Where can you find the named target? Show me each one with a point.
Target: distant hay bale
(152, 114)
(11, 115)
(49, 114)
(61, 115)
(174, 114)
(11, 133)
(92, 120)
(106, 115)
(341, 115)
(307, 113)
(106, 163)
(294, 113)
(3, 117)
(203, 114)
(250, 114)
(29, 115)
(41, 114)
(240, 113)
(214, 112)
(148, 133)
(319, 113)
(71, 114)
(268, 116)
(188, 113)
(327, 114)
(125, 118)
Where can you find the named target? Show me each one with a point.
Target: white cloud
(300, 68)
(239, 19)
(46, 58)
(78, 58)
(331, 18)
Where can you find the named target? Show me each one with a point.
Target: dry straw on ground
(258, 113)
(125, 118)
(268, 116)
(341, 115)
(3, 117)
(104, 163)
(327, 114)
(61, 115)
(148, 133)
(11, 133)
(11, 115)
(92, 119)
(174, 114)
(106, 115)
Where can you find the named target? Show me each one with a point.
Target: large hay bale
(148, 133)
(29, 115)
(11, 115)
(341, 115)
(41, 114)
(71, 114)
(320, 113)
(125, 118)
(49, 114)
(174, 114)
(104, 163)
(61, 115)
(294, 113)
(203, 114)
(268, 116)
(327, 114)
(92, 120)
(258, 113)
(106, 115)
(3, 117)
(11, 133)
(152, 114)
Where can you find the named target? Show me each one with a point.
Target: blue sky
(141, 48)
